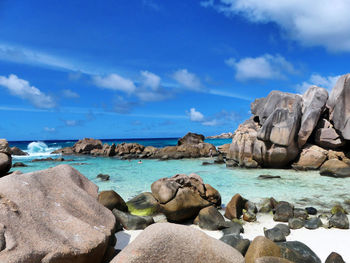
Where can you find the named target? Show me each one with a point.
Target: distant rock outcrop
(17, 151)
(283, 123)
(225, 135)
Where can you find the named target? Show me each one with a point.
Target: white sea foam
(39, 149)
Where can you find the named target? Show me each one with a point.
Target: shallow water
(130, 178)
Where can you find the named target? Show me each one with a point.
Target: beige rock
(53, 216)
(171, 243)
(272, 260)
(234, 208)
(335, 168)
(261, 247)
(311, 158)
(86, 145)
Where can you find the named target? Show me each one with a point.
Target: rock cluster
(190, 146)
(287, 128)
(225, 135)
(5, 157)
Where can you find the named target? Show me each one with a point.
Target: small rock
(251, 207)
(275, 235)
(296, 223)
(300, 213)
(210, 218)
(272, 260)
(143, 204)
(103, 177)
(236, 242)
(338, 208)
(249, 216)
(261, 246)
(284, 228)
(266, 176)
(234, 229)
(311, 210)
(207, 163)
(339, 220)
(313, 223)
(334, 258)
(19, 164)
(112, 200)
(234, 208)
(283, 212)
(298, 252)
(132, 222)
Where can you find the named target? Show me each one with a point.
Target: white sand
(322, 241)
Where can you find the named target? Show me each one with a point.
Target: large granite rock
(107, 150)
(172, 243)
(5, 157)
(261, 247)
(129, 148)
(339, 105)
(314, 102)
(86, 145)
(328, 138)
(191, 138)
(311, 158)
(53, 216)
(17, 151)
(335, 168)
(181, 197)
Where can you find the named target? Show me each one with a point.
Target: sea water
(129, 178)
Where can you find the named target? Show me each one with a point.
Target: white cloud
(115, 82)
(48, 129)
(263, 67)
(311, 23)
(70, 94)
(187, 79)
(71, 123)
(195, 116)
(327, 82)
(213, 122)
(22, 89)
(150, 80)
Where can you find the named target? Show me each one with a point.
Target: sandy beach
(322, 241)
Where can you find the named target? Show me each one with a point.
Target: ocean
(129, 178)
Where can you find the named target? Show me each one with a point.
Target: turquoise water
(130, 178)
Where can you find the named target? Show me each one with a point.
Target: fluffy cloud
(311, 23)
(115, 82)
(327, 82)
(263, 67)
(187, 79)
(195, 116)
(150, 80)
(67, 93)
(22, 89)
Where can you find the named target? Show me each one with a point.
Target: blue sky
(159, 68)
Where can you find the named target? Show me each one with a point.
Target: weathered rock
(224, 149)
(64, 151)
(328, 138)
(234, 208)
(225, 135)
(339, 220)
(311, 158)
(313, 223)
(107, 150)
(18, 151)
(19, 164)
(143, 204)
(129, 148)
(338, 209)
(334, 258)
(181, 197)
(219, 159)
(210, 218)
(172, 243)
(112, 200)
(236, 242)
(298, 252)
(86, 145)
(249, 216)
(132, 222)
(234, 229)
(311, 210)
(53, 216)
(284, 228)
(272, 260)
(5, 157)
(103, 177)
(260, 247)
(191, 138)
(251, 207)
(314, 101)
(338, 104)
(335, 168)
(283, 212)
(275, 234)
(300, 213)
(296, 223)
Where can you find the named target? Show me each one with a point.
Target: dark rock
(132, 222)
(334, 258)
(249, 216)
(234, 229)
(296, 223)
(251, 207)
(269, 176)
(143, 204)
(103, 177)
(207, 163)
(112, 200)
(234, 209)
(313, 223)
(283, 211)
(236, 242)
(311, 210)
(298, 252)
(275, 234)
(17, 151)
(48, 159)
(284, 228)
(191, 138)
(300, 213)
(219, 159)
(339, 220)
(19, 164)
(210, 218)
